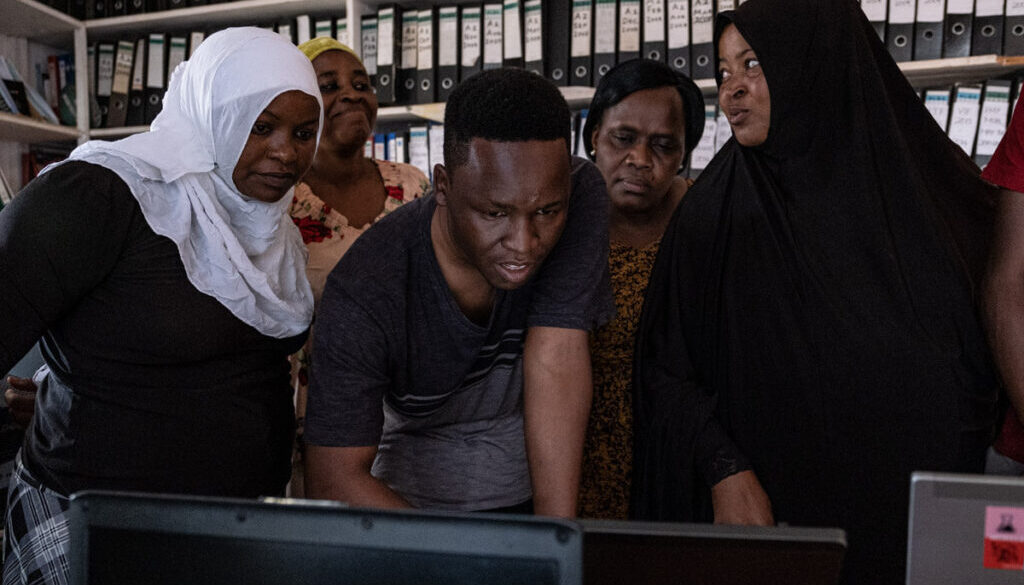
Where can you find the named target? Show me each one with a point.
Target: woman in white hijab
(167, 284)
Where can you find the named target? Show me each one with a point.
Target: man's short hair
(503, 105)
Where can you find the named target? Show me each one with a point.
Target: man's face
(506, 206)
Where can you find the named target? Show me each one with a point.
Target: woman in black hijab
(810, 324)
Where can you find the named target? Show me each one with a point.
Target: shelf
(30, 19)
(959, 70)
(578, 98)
(29, 130)
(244, 12)
(937, 72)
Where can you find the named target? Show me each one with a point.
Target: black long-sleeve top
(155, 385)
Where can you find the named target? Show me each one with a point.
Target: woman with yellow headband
(344, 192)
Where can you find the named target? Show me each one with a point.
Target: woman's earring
(593, 152)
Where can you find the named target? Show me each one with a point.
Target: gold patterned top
(608, 450)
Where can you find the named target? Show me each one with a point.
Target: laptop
(965, 529)
(658, 553)
(122, 539)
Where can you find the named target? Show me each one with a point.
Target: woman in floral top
(644, 121)
(345, 192)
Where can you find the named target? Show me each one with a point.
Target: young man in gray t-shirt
(450, 366)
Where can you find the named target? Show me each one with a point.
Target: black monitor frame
(176, 539)
(663, 553)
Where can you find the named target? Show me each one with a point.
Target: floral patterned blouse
(608, 449)
(328, 235)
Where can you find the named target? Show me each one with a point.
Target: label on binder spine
(703, 22)
(901, 11)
(629, 25)
(678, 24)
(470, 36)
(604, 21)
(533, 30)
(581, 28)
(447, 33)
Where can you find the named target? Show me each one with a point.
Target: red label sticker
(1004, 538)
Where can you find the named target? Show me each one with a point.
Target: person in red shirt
(1004, 294)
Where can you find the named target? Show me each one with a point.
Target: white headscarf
(245, 253)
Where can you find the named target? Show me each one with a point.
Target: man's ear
(441, 185)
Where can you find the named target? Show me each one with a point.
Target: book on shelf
(35, 104)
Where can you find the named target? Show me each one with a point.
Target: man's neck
(472, 292)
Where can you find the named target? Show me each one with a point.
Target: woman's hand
(740, 499)
(21, 399)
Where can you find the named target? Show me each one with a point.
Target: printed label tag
(1004, 538)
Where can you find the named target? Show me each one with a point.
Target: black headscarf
(812, 308)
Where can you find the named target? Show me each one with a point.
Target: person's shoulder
(84, 174)
(77, 186)
(384, 250)
(410, 179)
(587, 181)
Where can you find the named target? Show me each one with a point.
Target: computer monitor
(658, 553)
(122, 539)
(965, 528)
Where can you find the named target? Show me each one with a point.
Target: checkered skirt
(36, 533)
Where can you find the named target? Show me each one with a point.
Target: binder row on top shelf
(90, 9)
(419, 55)
(127, 78)
(49, 98)
(935, 29)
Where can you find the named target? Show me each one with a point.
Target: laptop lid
(122, 539)
(965, 529)
(656, 553)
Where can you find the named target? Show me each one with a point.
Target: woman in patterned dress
(644, 121)
(345, 192)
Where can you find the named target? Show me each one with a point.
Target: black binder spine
(104, 78)
(875, 11)
(405, 90)
(989, 21)
(388, 41)
(654, 47)
(447, 51)
(368, 45)
(702, 29)
(678, 19)
(78, 9)
(557, 38)
(957, 32)
(117, 109)
(928, 29)
(900, 32)
(136, 114)
(534, 49)
(156, 53)
(426, 56)
(1013, 39)
(581, 61)
(605, 36)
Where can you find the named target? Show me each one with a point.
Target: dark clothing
(155, 386)
(812, 308)
(396, 364)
